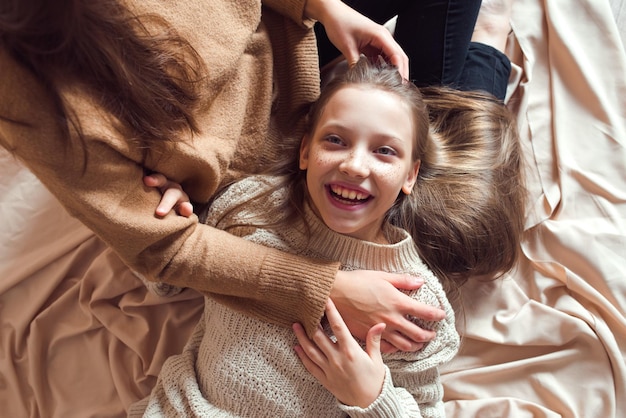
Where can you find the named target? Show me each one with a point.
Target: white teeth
(348, 194)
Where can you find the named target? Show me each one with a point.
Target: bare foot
(493, 24)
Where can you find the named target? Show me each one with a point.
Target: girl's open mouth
(348, 196)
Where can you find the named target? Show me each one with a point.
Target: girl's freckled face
(359, 159)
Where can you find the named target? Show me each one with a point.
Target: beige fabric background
(550, 339)
(79, 336)
(619, 11)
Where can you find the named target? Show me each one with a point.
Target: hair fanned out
(466, 210)
(469, 199)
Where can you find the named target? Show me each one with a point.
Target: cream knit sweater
(235, 365)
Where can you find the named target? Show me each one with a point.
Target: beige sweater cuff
(313, 280)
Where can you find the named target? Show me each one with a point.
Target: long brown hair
(466, 210)
(147, 79)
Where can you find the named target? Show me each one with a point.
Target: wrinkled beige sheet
(80, 336)
(550, 339)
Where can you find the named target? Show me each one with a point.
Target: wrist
(320, 10)
(336, 289)
(380, 405)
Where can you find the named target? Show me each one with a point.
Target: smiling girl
(360, 155)
(350, 193)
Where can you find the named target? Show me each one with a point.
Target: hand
(365, 298)
(173, 196)
(354, 376)
(353, 33)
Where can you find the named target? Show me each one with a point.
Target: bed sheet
(549, 339)
(80, 336)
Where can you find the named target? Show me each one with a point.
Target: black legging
(435, 34)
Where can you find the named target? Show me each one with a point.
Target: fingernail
(417, 280)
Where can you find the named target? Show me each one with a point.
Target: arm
(292, 9)
(418, 373)
(97, 179)
(354, 34)
(364, 298)
(351, 32)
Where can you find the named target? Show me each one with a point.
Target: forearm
(418, 373)
(322, 10)
(301, 10)
(293, 9)
(99, 181)
(267, 283)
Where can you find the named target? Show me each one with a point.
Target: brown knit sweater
(259, 60)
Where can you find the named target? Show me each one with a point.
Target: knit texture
(235, 364)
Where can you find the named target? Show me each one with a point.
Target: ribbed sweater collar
(358, 254)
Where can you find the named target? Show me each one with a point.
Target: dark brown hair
(146, 79)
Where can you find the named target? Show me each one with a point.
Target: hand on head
(354, 34)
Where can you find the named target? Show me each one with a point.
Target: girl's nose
(355, 164)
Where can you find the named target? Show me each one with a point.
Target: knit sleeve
(393, 402)
(98, 180)
(293, 9)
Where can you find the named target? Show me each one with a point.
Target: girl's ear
(411, 178)
(304, 152)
